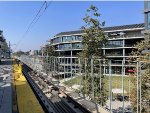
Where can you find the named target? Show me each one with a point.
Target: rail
(59, 106)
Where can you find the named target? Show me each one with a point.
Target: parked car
(120, 98)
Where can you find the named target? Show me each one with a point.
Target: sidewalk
(5, 87)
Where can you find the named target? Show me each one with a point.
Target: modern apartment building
(121, 41)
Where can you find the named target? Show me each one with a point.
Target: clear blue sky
(60, 16)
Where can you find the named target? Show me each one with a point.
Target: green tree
(142, 55)
(5, 47)
(49, 50)
(93, 40)
(18, 53)
(49, 54)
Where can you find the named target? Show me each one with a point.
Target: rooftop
(113, 28)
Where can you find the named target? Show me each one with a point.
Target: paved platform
(5, 87)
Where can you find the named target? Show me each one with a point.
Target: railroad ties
(52, 97)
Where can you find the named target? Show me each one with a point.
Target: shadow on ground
(6, 62)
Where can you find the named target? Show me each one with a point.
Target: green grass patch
(116, 82)
(73, 81)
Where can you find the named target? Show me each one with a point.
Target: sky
(60, 16)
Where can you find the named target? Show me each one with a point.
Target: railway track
(52, 98)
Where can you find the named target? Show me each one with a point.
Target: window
(78, 38)
(57, 40)
(68, 46)
(65, 47)
(115, 44)
(77, 46)
(61, 47)
(73, 38)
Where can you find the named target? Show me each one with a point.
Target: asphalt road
(5, 86)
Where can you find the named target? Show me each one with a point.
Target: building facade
(121, 41)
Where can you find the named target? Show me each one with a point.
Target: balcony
(129, 45)
(70, 46)
(69, 56)
(114, 54)
(112, 46)
(126, 36)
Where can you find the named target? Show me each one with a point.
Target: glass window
(68, 46)
(60, 47)
(57, 40)
(115, 44)
(67, 39)
(63, 39)
(60, 39)
(78, 38)
(65, 46)
(77, 46)
(73, 38)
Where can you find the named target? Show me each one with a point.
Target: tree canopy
(93, 37)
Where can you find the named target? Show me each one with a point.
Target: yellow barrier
(27, 101)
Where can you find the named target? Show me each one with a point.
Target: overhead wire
(40, 12)
(47, 5)
(28, 28)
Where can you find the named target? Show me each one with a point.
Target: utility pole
(110, 86)
(137, 66)
(123, 74)
(9, 50)
(42, 51)
(140, 87)
(92, 77)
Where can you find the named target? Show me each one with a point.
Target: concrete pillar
(71, 63)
